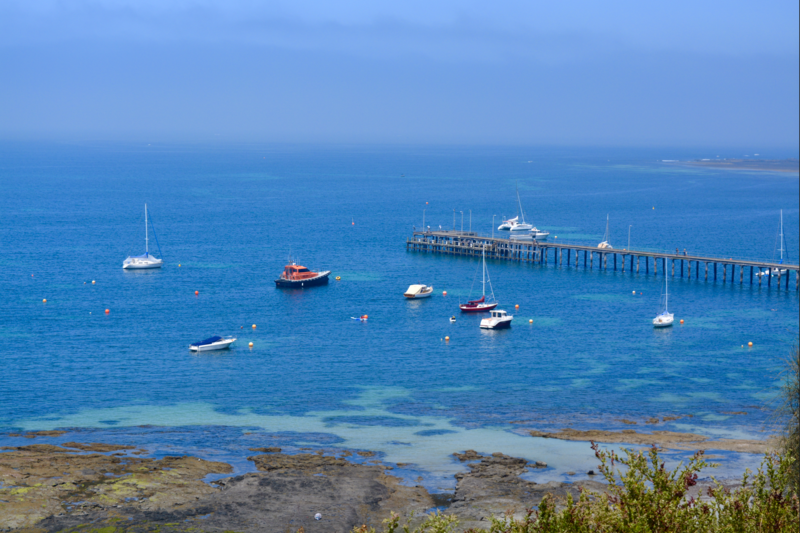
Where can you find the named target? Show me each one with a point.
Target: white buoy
(318, 516)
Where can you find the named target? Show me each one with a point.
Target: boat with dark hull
(480, 305)
(296, 277)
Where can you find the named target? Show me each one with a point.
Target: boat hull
(418, 296)
(663, 321)
(142, 266)
(221, 345)
(477, 308)
(321, 279)
(496, 323)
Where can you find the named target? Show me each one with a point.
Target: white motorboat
(780, 248)
(418, 291)
(538, 234)
(140, 262)
(508, 224)
(606, 238)
(212, 343)
(664, 318)
(499, 319)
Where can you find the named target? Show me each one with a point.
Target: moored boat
(297, 276)
(418, 291)
(212, 343)
(664, 318)
(499, 319)
(606, 238)
(538, 234)
(508, 224)
(147, 260)
(476, 306)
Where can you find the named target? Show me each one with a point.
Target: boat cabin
(297, 272)
(498, 314)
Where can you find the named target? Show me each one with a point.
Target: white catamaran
(140, 262)
(521, 226)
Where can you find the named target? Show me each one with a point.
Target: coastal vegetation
(647, 497)
(789, 411)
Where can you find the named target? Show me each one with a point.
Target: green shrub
(647, 498)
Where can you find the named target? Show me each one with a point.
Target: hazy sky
(711, 73)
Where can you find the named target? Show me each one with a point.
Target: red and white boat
(477, 306)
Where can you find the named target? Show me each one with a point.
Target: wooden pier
(529, 251)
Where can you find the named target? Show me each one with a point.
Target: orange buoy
(254, 326)
(681, 321)
(196, 293)
(44, 301)
(634, 292)
(179, 264)
(250, 345)
(92, 282)
(107, 311)
(444, 293)
(426, 203)
(530, 321)
(447, 339)
(516, 306)
(750, 344)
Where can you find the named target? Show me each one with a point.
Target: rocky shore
(76, 486)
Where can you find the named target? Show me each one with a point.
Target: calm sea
(228, 217)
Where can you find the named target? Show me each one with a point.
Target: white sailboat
(521, 226)
(140, 262)
(664, 318)
(781, 247)
(606, 238)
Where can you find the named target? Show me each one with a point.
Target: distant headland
(771, 165)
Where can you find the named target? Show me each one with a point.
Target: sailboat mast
(146, 249)
(782, 241)
(522, 214)
(483, 272)
(666, 293)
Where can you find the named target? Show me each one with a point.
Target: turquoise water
(230, 217)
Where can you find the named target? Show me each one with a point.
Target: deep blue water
(230, 217)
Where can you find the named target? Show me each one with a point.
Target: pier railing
(525, 249)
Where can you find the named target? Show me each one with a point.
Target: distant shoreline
(764, 165)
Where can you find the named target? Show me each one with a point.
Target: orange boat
(298, 276)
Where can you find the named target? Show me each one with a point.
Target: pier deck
(530, 251)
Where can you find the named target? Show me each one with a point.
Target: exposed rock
(468, 455)
(627, 436)
(271, 449)
(34, 434)
(38, 448)
(97, 447)
(366, 454)
(493, 486)
(42, 480)
(664, 439)
(628, 422)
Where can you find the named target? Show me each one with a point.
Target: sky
(573, 72)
